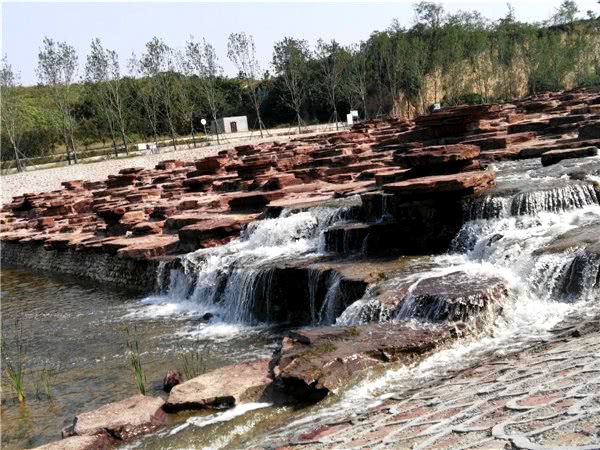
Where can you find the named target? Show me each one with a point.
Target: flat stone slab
(582, 237)
(253, 201)
(226, 386)
(315, 361)
(471, 182)
(96, 442)
(555, 156)
(437, 155)
(123, 420)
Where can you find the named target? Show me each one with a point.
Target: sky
(126, 26)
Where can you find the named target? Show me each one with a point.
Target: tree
(11, 111)
(429, 18)
(290, 58)
(566, 13)
(203, 61)
(57, 68)
(146, 95)
(242, 53)
(185, 105)
(157, 64)
(333, 62)
(103, 74)
(376, 48)
(508, 39)
(358, 70)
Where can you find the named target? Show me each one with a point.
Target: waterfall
(232, 281)
(532, 202)
(314, 278)
(331, 304)
(365, 310)
(502, 242)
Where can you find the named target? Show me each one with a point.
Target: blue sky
(127, 26)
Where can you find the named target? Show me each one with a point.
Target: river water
(79, 331)
(82, 326)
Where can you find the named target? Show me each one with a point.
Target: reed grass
(44, 379)
(135, 361)
(193, 362)
(13, 356)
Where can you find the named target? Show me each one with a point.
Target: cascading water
(232, 280)
(554, 199)
(503, 238)
(498, 241)
(327, 314)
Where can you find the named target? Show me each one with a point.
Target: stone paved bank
(545, 397)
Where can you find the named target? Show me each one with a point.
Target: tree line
(163, 93)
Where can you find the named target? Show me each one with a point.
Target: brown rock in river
(100, 441)
(226, 386)
(124, 420)
(315, 361)
(172, 379)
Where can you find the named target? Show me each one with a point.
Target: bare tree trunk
(260, 122)
(67, 145)
(125, 144)
(74, 150)
(113, 136)
(335, 117)
(364, 102)
(17, 157)
(114, 141)
(173, 138)
(193, 132)
(299, 122)
(216, 126)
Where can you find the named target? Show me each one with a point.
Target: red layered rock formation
(407, 167)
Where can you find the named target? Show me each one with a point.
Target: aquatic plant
(135, 361)
(13, 355)
(193, 362)
(44, 379)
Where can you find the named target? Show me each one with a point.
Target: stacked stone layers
(411, 174)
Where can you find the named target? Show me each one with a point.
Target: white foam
(230, 414)
(198, 288)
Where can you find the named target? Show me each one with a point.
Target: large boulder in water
(315, 361)
(223, 387)
(123, 420)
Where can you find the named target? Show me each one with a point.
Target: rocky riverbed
(376, 250)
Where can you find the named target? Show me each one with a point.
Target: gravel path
(49, 179)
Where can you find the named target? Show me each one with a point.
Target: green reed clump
(13, 356)
(135, 361)
(44, 379)
(193, 362)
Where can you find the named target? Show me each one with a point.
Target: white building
(228, 125)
